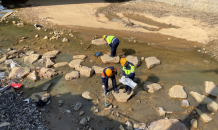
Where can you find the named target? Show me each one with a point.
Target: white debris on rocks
(140, 126)
(72, 75)
(185, 103)
(177, 91)
(87, 95)
(151, 62)
(122, 97)
(82, 57)
(45, 38)
(211, 88)
(151, 87)
(107, 59)
(84, 71)
(75, 62)
(203, 116)
(99, 41)
(129, 125)
(60, 64)
(134, 60)
(202, 99)
(97, 69)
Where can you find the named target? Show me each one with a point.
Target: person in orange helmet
(113, 42)
(109, 72)
(128, 72)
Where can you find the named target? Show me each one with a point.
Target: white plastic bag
(127, 81)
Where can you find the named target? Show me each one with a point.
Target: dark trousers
(113, 82)
(127, 88)
(114, 47)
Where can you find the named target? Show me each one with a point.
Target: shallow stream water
(188, 68)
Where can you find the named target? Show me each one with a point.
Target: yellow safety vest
(109, 39)
(128, 71)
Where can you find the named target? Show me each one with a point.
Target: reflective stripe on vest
(132, 69)
(109, 39)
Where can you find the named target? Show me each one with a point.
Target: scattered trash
(98, 54)
(15, 85)
(127, 81)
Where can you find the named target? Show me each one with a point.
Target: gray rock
(177, 91)
(83, 121)
(46, 86)
(185, 103)
(50, 54)
(82, 57)
(203, 116)
(151, 62)
(77, 106)
(151, 87)
(19, 72)
(97, 69)
(81, 113)
(40, 95)
(49, 63)
(87, 95)
(72, 75)
(167, 124)
(99, 41)
(31, 58)
(60, 103)
(211, 88)
(121, 97)
(47, 72)
(134, 60)
(75, 62)
(84, 71)
(107, 59)
(60, 64)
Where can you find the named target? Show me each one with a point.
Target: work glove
(103, 87)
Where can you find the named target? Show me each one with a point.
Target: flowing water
(186, 67)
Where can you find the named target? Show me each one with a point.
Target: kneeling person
(128, 72)
(109, 72)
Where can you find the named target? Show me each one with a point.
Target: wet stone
(185, 103)
(177, 91)
(77, 106)
(211, 88)
(81, 113)
(151, 62)
(46, 86)
(87, 95)
(60, 103)
(83, 121)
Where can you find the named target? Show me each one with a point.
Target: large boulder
(47, 72)
(60, 64)
(202, 99)
(40, 95)
(107, 59)
(122, 97)
(84, 71)
(211, 88)
(151, 87)
(31, 58)
(82, 57)
(97, 69)
(18, 72)
(75, 62)
(167, 124)
(50, 54)
(151, 62)
(203, 116)
(32, 76)
(99, 41)
(72, 75)
(134, 60)
(177, 91)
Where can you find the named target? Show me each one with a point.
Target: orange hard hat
(108, 72)
(104, 36)
(123, 61)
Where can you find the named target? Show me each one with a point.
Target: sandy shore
(83, 13)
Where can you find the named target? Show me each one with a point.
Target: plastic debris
(127, 81)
